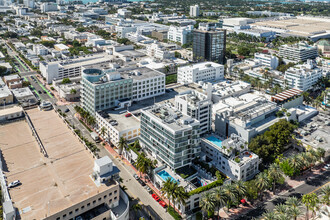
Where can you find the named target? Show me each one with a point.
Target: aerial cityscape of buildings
(118, 109)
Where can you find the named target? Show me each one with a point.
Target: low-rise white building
(298, 52)
(267, 60)
(181, 35)
(117, 125)
(11, 113)
(206, 72)
(231, 156)
(304, 76)
(159, 52)
(40, 49)
(70, 68)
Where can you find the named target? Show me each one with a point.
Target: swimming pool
(215, 141)
(164, 175)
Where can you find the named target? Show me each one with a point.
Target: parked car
(155, 197)
(136, 176)
(15, 183)
(327, 166)
(39, 91)
(141, 182)
(66, 110)
(162, 203)
(128, 115)
(148, 189)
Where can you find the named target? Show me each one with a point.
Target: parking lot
(315, 131)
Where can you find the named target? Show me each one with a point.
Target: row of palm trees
(257, 83)
(304, 160)
(292, 208)
(174, 192)
(231, 194)
(226, 195)
(144, 164)
(85, 115)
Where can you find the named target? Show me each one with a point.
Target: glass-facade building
(174, 142)
(209, 45)
(98, 93)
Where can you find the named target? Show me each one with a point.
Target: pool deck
(214, 136)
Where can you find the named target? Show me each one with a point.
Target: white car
(15, 183)
(327, 166)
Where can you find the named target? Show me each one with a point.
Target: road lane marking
(319, 187)
(21, 63)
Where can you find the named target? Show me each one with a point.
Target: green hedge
(205, 188)
(173, 213)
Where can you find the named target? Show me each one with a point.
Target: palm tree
(180, 196)
(262, 182)
(230, 193)
(143, 164)
(310, 201)
(122, 145)
(91, 120)
(305, 159)
(169, 188)
(240, 189)
(320, 153)
(293, 202)
(275, 173)
(281, 209)
(207, 202)
(294, 212)
(220, 198)
(296, 163)
(326, 195)
(103, 131)
(136, 208)
(269, 216)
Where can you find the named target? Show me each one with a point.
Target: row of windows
(89, 204)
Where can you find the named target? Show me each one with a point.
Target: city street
(134, 189)
(312, 185)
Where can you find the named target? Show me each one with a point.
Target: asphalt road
(313, 185)
(134, 189)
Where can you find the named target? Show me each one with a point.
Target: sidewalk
(143, 176)
(269, 196)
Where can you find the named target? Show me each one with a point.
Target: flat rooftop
(10, 110)
(124, 123)
(170, 117)
(51, 184)
(138, 73)
(300, 26)
(201, 66)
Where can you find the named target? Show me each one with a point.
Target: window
(115, 198)
(58, 218)
(88, 204)
(64, 215)
(70, 213)
(115, 191)
(110, 200)
(105, 196)
(99, 199)
(94, 202)
(82, 207)
(76, 210)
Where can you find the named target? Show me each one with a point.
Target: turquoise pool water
(215, 141)
(164, 175)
